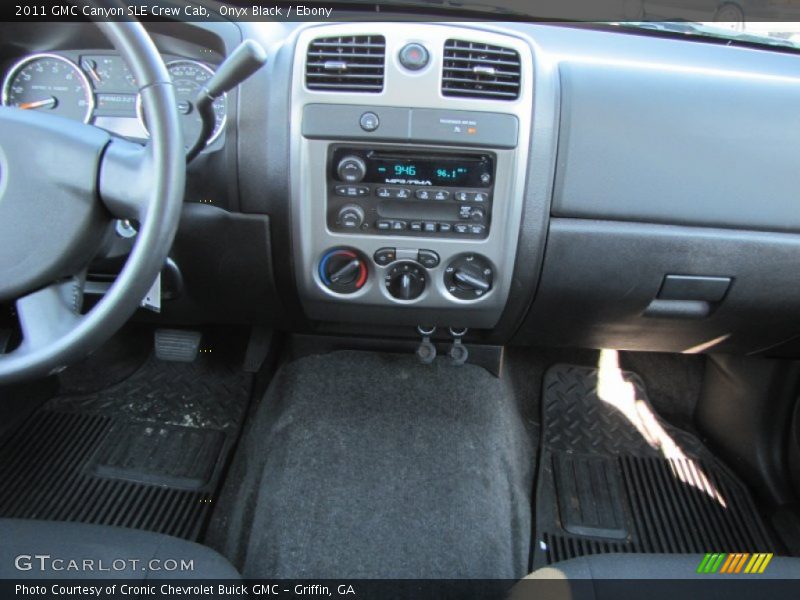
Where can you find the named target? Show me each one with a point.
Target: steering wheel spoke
(48, 314)
(125, 178)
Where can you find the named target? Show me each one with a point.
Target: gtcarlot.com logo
(734, 563)
(47, 563)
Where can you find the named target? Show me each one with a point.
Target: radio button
(428, 259)
(464, 196)
(384, 256)
(415, 226)
(461, 228)
(384, 225)
(351, 191)
(393, 192)
(398, 225)
(429, 227)
(465, 212)
(477, 229)
(445, 227)
(427, 194)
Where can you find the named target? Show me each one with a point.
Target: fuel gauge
(109, 73)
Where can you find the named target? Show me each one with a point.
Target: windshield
(785, 34)
(774, 23)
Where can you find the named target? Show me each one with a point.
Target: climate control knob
(343, 270)
(406, 280)
(351, 169)
(469, 277)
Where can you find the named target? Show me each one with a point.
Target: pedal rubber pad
(177, 345)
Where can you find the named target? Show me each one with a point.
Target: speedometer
(49, 83)
(188, 77)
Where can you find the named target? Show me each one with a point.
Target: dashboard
(534, 183)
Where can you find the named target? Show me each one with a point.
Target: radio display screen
(453, 172)
(472, 171)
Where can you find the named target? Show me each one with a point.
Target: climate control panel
(406, 273)
(410, 193)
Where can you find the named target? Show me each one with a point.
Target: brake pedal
(177, 345)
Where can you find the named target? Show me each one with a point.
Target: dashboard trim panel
(308, 169)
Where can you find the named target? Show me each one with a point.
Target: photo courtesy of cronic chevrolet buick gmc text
(399, 300)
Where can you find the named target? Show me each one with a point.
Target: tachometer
(49, 83)
(188, 77)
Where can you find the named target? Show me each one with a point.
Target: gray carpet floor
(366, 465)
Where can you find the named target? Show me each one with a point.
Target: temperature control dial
(469, 277)
(343, 270)
(406, 280)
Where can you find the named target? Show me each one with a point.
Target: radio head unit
(409, 192)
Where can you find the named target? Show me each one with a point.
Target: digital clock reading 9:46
(405, 170)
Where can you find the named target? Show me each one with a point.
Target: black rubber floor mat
(147, 453)
(614, 477)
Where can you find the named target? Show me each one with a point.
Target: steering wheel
(61, 183)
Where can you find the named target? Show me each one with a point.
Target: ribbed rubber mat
(179, 457)
(131, 456)
(48, 474)
(614, 477)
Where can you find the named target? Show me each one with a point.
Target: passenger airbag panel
(678, 144)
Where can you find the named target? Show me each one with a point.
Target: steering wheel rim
(146, 184)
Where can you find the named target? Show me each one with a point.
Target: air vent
(476, 70)
(346, 64)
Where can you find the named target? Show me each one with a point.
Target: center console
(408, 161)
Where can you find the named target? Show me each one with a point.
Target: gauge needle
(92, 71)
(51, 101)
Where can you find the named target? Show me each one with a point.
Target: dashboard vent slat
(478, 70)
(346, 64)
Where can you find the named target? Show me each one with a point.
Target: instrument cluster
(98, 88)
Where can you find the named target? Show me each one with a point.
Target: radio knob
(477, 215)
(351, 169)
(351, 216)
